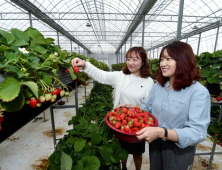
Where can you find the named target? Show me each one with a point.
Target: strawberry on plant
(1, 119)
(67, 94)
(53, 100)
(62, 93)
(41, 99)
(0, 128)
(59, 89)
(75, 69)
(67, 71)
(33, 102)
(39, 104)
(54, 96)
(218, 98)
(55, 92)
(48, 97)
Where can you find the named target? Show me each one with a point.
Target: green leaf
(3, 48)
(8, 36)
(33, 86)
(66, 162)
(215, 129)
(19, 43)
(54, 167)
(87, 150)
(71, 72)
(38, 49)
(28, 93)
(34, 33)
(95, 138)
(93, 163)
(57, 48)
(114, 158)
(40, 92)
(20, 35)
(10, 55)
(71, 140)
(105, 151)
(212, 79)
(47, 79)
(9, 89)
(123, 154)
(205, 73)
(83, 122)
(14, 105)
(219, 53)
(79, 145)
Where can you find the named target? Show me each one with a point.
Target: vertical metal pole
(121, 55)
(143, 30)
(53, 127)
(180, 17)
(44, 116)
(85, 92)
(187, 40)
(214, 144)
(198, 47)
(125, 53)
(117, 57)
(76, 98)
(71, 45)
(215, 45)
(58, 37)
(30, 18)
(131, 37)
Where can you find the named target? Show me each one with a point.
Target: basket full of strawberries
(125, 122)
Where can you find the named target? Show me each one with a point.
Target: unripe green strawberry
(54, 96)
(48, 97)
(67, 94)
(39, 104)
(62, 93)
(41, 99)
(27, 102)
(53, 100)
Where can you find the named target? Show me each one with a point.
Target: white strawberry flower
(93, 121)
(23, 50)
(55, 53)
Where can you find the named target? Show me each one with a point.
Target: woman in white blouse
(131, 85)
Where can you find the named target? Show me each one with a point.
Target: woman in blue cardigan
(182, 107)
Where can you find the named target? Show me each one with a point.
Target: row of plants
(90, 145)
(29, 70)
(118, 67)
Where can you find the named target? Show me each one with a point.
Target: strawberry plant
(90, 144)
(30, 63)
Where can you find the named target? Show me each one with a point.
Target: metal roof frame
(28, 6)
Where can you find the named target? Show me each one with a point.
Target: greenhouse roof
(106, 25)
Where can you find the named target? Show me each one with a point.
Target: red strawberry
(129, 118)
(124, 122)
(122, 116)
(124, 109)
(137, 124)
(218, 98)
(117, 125)
(67, 71)
(1, 119)
(33, 102)
(126, 128)
(75, 69)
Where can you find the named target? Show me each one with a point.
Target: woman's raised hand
(126, 105)
(78, 62)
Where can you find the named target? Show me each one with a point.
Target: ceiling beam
(28, 6)
(145, 7)
(189, 34)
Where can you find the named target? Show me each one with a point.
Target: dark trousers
(166, 155)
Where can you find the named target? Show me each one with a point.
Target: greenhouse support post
(212, 153)
(62, 107)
